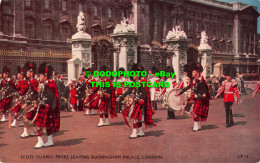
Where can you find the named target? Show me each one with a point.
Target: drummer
(173, 84)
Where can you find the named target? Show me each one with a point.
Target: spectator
(73, 97)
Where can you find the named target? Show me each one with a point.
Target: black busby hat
(46, 69)
(20, 70)
(104, 68)
(30, 66)
(170, 69)
(121, 69)
(155, 69)
(83, 69)
(230, 70)
(6, 69)
(196, 66)
(135, 67)
(186, 68)
(89, 69)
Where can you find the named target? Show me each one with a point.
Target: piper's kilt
(5, 104)
(94, 103)
(104, 104)
(31, 114)
(201, 108)
(17, 108)
(136, 113)
(48, 118)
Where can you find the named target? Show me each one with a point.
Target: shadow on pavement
(156, 133)
(238, 115)
(209, 127)
(66, 116)
(1, 145)
(2, 132)
(240, 123)
(182, 117)
(118, 123)
(70, 142)
(156, 120)
(61, 132)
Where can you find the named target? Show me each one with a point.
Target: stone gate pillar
(125, 42)
(81, 50)
(177, 48)
(206, 52)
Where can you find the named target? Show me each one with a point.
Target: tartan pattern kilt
(201, 108)
(48, 118)
(94, 103)
(137, 112)
(6, 103)
(31, 114)
(17, 108)
(104, 104)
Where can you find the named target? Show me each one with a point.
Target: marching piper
(107, 99)
(22, 87)
(140, 110)
(48, 107)
(120, 90)
(92, 98)
(200, 95)
(231, 93)
(31, 96)
(7, 91)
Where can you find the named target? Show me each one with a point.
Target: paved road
(79, 140)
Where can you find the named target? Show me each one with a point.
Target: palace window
(80, 7)
(28, 3)
(64, 6)
(29, 27)
(47, 30)
(95, 11)
(109, 13)
(7, 23)
(47, 4)
(65, 31)
(189, 26)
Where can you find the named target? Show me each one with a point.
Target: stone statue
(124, 27)
(204, 38)
(81, 26)
(176, 33)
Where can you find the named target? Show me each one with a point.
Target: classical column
(81, 50)
(177, 48)
(206, 59)
(125, 41)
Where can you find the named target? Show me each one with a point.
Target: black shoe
(227, 125)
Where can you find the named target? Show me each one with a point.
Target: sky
(251, 2)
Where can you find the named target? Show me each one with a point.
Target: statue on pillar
(176, 33)
(204, 43)
(124, 27)
(81, 25)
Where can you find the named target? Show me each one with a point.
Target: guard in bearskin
(120, 90)
(231, 93)
(137, 108)
(107, 99)
(31, 96)
(199, 94)
(155, 91)
(7, 90)
(48, 107)
(91, 100)
(22, 87)
(185, 82)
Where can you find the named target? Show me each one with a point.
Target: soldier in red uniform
(155, 91)
(7, 89)
(22, 87)
(31, 95)
(231, 93)
(92, 98)
(199, 94)
(48, 107)
(107, 99)
(120, 90)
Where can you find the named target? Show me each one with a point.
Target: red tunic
(230, 90)
(6, 102)
(257, 89)
(33, 83)
(92, 100)
(22, 86)
(73, 98)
